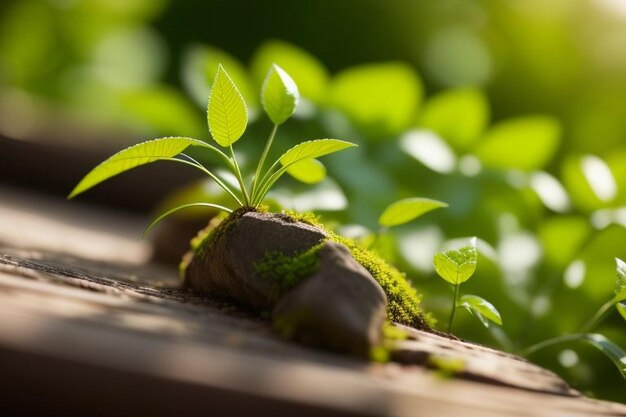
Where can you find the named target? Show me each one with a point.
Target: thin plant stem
(210, 174)
(246, 197)
(184, 206)
(550, 342)
(259, 167)
(456, 298)
(598, 317)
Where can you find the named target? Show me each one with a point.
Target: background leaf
(163, 110)
(279, 95)
(403, 211)
(140, 154)
(227, 114)
(382, 99)
(456, 266)
(313, 149)
(308, 171)
(481, 308)
(526, 143)
(458, 116)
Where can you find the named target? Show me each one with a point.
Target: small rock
(340, 307)
(225, 267)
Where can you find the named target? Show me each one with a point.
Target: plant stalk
(242, 185)
(554, 341)
(599, 316)
(456, 300)
(210, 174)
(259, 167)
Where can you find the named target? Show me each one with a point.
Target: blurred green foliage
(513, 113)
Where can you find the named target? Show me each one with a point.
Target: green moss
(403, 299)
(286, 271)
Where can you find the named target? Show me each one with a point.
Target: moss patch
(403, 299)
(287, 271)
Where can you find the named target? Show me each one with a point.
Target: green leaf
(403, 211)
(620, 283)
(279, 95)
(306, 70)
(527, 143)
(589, 181)
(137, 155)
(227, 114)
(481, 308)
(308, 171)
(459, 116)
(610, 349)
(200, 64)
(621, 307)
(313, 149)
(456, 266)
(382, 99)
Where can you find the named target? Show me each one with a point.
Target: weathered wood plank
(80, 336)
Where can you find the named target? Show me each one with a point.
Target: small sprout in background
(456, 267)
(404, 211)
(227, 117)
(600, 342)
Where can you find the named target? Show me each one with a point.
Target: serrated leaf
(313, 149)
(524, 143)
(456, 266)
(610, 349)
(481, 308)
(405, 210)
(279, 95)
(227, 113)
(308, 171)
(134, 156)
(200, 64)
(621, 307)
(620, 283)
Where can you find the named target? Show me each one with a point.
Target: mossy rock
(254, 257)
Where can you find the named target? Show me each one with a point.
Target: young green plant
(600, 342)
(456, 267)
(227, 118)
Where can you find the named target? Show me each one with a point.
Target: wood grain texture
(85, 337)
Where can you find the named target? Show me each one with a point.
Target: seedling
(227, 118)
(600, 342)
(456, 267)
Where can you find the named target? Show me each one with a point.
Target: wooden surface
(87, 328)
